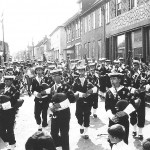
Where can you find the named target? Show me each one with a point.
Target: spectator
(146, 144)
(40, 141)
(116, 134)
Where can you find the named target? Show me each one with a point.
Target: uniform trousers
(138, 116)
(60, 124)
(7, 124)
(40, 108)
(95, 100)
(83, 111)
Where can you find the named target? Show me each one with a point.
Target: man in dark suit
(115, 94)
(41, 101)
(8, 112)
(83, 105)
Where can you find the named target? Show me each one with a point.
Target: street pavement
(26, 126)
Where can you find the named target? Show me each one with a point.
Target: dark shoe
(134, 134)
(140, 137)
(95, 116)
(81, 131)
(40, 129)
(86, 137)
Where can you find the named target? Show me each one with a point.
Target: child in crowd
(116, 134)
(146, 144)
(40, 141)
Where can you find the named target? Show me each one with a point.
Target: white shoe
(8, 147)
(44, 128)
(12, 146)
(40, 128)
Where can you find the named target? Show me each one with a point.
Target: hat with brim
(39, 67)
(121, 58)
(81, 68)
(136, 62)
(108, 60)
(116, 61)
(9, 77)
(56, 72)
(102, 59)
(115, 74)
(1, 70)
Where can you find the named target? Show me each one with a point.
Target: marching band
(123, 88)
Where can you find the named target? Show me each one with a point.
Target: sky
(30, 20)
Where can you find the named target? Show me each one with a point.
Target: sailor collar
(113, 90)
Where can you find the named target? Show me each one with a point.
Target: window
(79, 28)
(100, 17)
(93, 49)
(76, 30)
(67, 34)
(73, 32)
(121, 46)
(80, 51)
(77, 51)
(88, 50)
(107, 13)
(133, 3)
(118, 7)
(94, 20)
(70, 33)
(85, 21)
(99, 49)
(89, 22)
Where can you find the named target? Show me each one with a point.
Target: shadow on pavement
(147, 122)
(88, 145)
(96, 123)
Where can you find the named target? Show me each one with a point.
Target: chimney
(80, 5)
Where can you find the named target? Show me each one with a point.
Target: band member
(138, 117)
(8, 112)
(59, 105)
(57, 76)
(83, 105)
(115, 94)
(30, 74)
(102, 77)
(41, 101)
(94, 80)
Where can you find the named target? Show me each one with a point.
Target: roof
(55, 30)
(42, 42)
(75, 16)
(97, 2)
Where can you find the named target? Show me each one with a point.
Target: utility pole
(4, 49)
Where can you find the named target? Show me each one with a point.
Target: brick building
(109, 28)
(93, 29)
(73, 37)
(128, 31)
